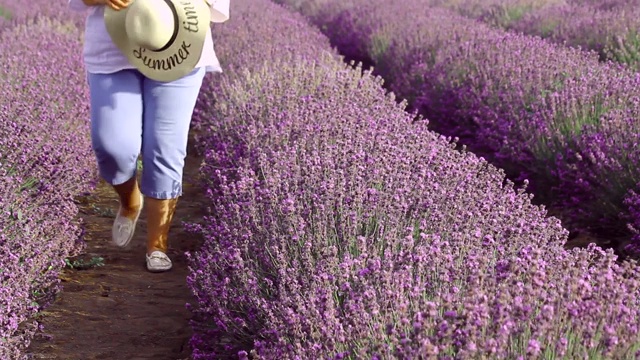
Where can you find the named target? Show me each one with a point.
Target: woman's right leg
(116, 137)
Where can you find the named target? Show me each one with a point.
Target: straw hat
(161, 38)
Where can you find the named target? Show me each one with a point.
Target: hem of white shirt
(102, 70)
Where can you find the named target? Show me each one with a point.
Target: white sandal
(123, 227)
(158, 261)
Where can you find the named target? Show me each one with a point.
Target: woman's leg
(168, 108)
(116, 136)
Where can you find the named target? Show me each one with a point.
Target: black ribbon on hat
(175, 27)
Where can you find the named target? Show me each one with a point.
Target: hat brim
(174, 61)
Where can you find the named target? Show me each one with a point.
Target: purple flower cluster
(45, 161)
(544, 112)
(342, 227)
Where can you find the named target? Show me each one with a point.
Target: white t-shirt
(101, 56)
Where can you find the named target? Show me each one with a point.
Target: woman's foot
(158, 261)
(124, 225)
(131, 203)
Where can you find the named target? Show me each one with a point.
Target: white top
(101, 56)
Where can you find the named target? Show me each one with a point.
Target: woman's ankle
(130, 197)
(159, 217)
(150, 250)
(131, 211)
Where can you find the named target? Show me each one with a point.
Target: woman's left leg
(168, 108)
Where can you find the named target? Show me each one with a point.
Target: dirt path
(119, 310)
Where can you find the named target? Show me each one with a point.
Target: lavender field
(355, 213)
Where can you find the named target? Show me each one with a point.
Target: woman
(142, 98)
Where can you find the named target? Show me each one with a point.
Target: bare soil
(120, 310)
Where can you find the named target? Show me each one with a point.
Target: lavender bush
(551, 114)
(606, 4)
(45, 161)
(245, 54)
(341, 228)
(608, 27)
(500, 13)
(612, 32)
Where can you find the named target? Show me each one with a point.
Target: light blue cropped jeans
(132, 115)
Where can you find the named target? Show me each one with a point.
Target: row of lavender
(500, 13)
(610, 28)
(45, 161)
(340, 228)
(543, 112)
(611, 32)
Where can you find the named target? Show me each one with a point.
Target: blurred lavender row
(45, 162)
(609, 27)
(543, 112)
(501, 13)
(4, 17)
(342, 228)
(20, 12)
(611, 31)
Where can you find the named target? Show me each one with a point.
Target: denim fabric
(132, 115)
